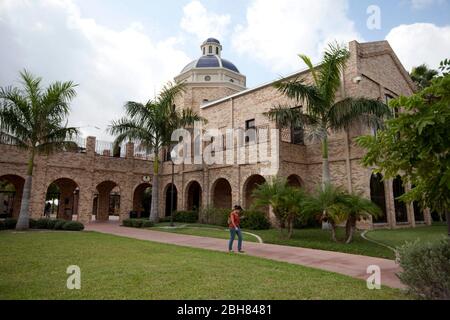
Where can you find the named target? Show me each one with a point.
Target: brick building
(98, 183)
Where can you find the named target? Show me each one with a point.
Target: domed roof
(211, 61)
(211, 49)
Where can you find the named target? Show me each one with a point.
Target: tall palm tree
(35, 119)
(152, 124)
(357, 207)
(324, 113)
(422, 76)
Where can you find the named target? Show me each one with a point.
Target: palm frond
(286, 117)
(334, 61)
(349, 111)
(300, 92)
(312, 69)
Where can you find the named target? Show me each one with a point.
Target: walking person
(234, 223)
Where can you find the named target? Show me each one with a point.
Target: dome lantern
(211, 46)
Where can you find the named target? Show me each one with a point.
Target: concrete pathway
(343, 263)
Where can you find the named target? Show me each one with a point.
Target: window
(297, 132)
(217, 51)
(204, 50)
(250, 131)
(207, 78)
(210, 50)
(388, 99)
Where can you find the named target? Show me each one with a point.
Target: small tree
(328, 203)
(355, 208)
(286, 202)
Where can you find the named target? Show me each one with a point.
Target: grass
(397, 238)
(319, 239)
(305, 238)
(33, 266)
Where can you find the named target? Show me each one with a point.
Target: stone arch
(419, 214)
(193, 196)
(249, 186)
(378, 196)
(170, 199)
(401, 211)
(106, 203)
(142, 200)
(11, 189)
(222, 194)
(295, 181)
(62, 199)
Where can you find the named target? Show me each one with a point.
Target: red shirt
(234, 217)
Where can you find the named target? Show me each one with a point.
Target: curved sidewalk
(343, 263)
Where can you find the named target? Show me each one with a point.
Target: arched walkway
(62, 199)
(401, 212)
(295, 181)
(11, 189)
(142, 200)
(378, 196)
(222, 194)
(419, 215)
(107, 201)
(171, 199)
(250, 185)
(193, 196)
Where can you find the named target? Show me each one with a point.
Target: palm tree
(357, 207)
(422, 76)
(36, 120)
(285, 201)
(152, 124)
(329, 203)
(325, 114)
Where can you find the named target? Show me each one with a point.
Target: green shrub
(255, 220)
(127, 223)
(186, 216)
(59, 225)
(426, 269)
(42, 224)
(73, 226)
(10, 224)
(147, 224)
(214, 216)
(137, 223)
(33, 224)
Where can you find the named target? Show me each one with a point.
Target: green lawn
(397, 238)
(33, 266)
(305, 238)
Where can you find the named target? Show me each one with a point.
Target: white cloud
(51, 39)
(277, 31)
(420, 43)
(198, 21)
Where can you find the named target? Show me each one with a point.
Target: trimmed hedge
(186, 216)
(137, 223)
(73, 226)
(426, 269)
(255, 220)
(44, 224)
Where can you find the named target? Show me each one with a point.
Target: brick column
(129, 150)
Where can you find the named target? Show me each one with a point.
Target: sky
(117, 50)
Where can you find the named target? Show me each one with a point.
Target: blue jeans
(233, 233)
